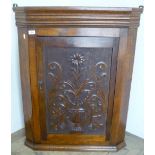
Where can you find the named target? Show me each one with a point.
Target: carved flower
(77, 59)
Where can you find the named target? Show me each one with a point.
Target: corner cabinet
(76, 68)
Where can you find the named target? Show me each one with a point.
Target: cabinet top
(77, 16)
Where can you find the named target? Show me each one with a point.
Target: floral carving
(77, 59)
(76, 105)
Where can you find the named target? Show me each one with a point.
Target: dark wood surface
(135, 145)
(54, 42)
(25, 82)
(92, 80)
(77, 16)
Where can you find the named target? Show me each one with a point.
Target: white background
(135, 122)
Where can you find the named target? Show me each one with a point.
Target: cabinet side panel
(123, 83)
(112, 85)
(34, 88)
(25, 82)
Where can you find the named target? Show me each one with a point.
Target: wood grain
(77, 16)
(25, 83)
(57, 29)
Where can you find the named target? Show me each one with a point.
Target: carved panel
(77, 87)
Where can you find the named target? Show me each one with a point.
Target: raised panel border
(99, 139)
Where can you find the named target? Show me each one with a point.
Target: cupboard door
(76, 86)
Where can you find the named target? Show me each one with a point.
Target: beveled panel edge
(77, 16)
(84, 42)
(48, 147)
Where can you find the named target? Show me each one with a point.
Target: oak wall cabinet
(76, 68)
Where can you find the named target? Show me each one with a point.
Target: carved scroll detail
(75, 105)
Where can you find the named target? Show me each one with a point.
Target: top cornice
(77, 16)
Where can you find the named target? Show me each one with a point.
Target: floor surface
(135, 146)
